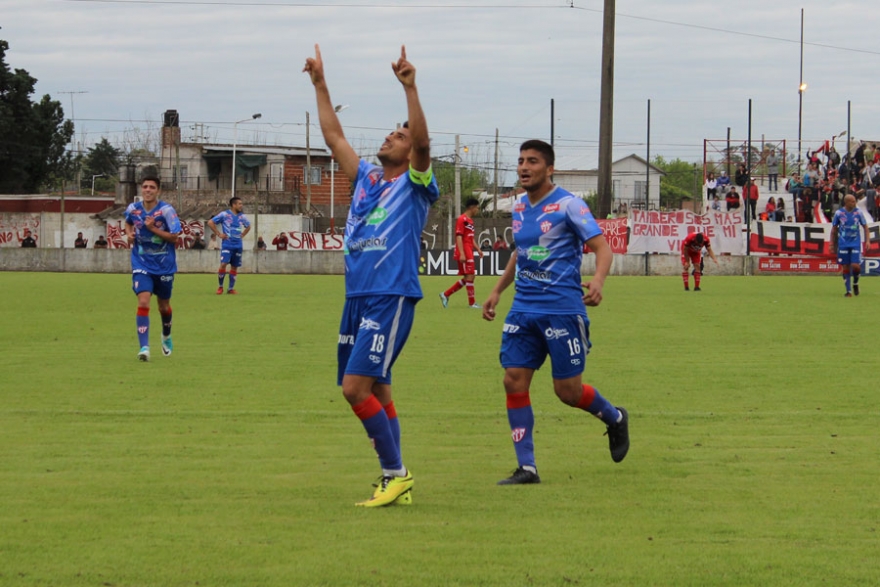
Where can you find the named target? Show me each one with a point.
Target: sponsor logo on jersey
(534, 275)
(575, 361)
(555, 333)
(510, 328)
(546, 226)
(551, 208)
(518, 434)
(376, 360)
(346, 339)
(584, 210)
(537, 253)
(167, 278)
(517, 225)
(368, 244)
(519, 208)
(377, 216)
(367, 324)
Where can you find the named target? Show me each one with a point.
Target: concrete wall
(309, 262)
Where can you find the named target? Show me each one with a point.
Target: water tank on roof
(172, 118)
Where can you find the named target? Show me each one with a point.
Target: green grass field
(754, 459)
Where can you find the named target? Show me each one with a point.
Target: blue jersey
(549, 247)
(233, 225)
(383, 232)
(849, 231)
(149, 253)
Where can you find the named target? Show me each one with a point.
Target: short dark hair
(543, 148)
(471, 202)
(699, 238)
(232, 200)
(151, 177)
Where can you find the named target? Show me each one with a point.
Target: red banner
(790, 238)
(795, 265)
(615, 232)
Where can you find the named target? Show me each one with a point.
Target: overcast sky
(481, 65)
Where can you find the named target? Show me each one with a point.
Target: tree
(33, 135)
(102, 159)
(679, 182)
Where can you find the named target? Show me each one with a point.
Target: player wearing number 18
(547, 317)
(381, 247)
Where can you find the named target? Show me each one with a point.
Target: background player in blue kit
(152, 228)
(550, 226)
(235, 227)
(381, 246)
(846, 242)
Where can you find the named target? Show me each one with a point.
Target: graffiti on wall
(12, 229)
(116, 238)
(190, 230)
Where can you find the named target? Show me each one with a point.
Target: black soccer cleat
(856, 288)
(618, 437)
(697, 289)
(521, 477)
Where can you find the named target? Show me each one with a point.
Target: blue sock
(221, 276)
(394, 423)
(522, 423)
(375, 422)
(593, 402)
(143, 326)
(232, 276)
(846, 280)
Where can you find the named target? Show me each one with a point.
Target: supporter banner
(615, 233)
(792, 238)
(871, 266)
(313, 241)
(437, 262)
(662, 232)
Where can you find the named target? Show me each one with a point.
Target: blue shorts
(158, 285)
(527, 339)
(372, 334)
(231, 256)
(849, 256)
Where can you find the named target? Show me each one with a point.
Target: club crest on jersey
(537, 253)
(367, 324)
(377, 216)
(373, 177)
(551, 208)
(517, 225)
(518, 434)
(546, 226)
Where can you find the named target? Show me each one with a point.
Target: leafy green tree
(33, 135)
(679, 183)
(472, 178)
(103, 158)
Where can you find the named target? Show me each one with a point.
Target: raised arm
(420, 158)
(330, 127)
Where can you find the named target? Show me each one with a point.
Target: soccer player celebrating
(235, 228)
(692, 256)
(381, 245)
(465, 245)
(548, 317)
(846, 242)
(152, 228)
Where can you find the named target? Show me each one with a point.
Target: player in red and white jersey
(692, 256)
(465, 245)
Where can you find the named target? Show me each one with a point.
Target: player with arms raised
(550, 227)
(692, 257)
(381, 246)
(152, 228)
(846, 242)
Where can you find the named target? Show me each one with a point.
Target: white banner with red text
(793, 238)
(662, 232)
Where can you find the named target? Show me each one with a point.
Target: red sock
(684, 277)
(697, 276)
(455, 287)
(470, 291)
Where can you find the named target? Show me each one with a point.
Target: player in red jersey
(465, 245)
(692, 256)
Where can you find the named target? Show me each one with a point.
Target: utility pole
(75, 145)
(606, 111)
(308, 168)
(495, 187)
(457, 177)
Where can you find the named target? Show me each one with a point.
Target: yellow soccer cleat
(388, 490)
(404, 499)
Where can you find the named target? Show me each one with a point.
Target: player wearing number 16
(547, 317)
(381, 247)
